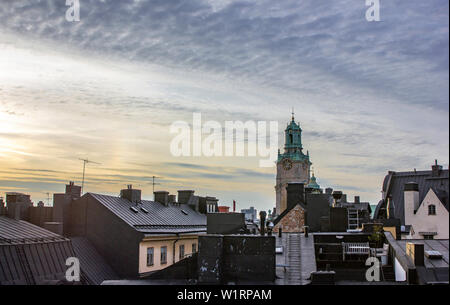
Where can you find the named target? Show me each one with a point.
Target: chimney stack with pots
(131, 194)
(162, 197)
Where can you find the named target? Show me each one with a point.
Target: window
(194, 248)
(431, 209)
(428, 237)
(164, 255)
(210, 208)
(181, 251)
(150, 254)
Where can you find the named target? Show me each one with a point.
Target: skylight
(134, 209)
(433, 254)
(184, 212)
(144, 210)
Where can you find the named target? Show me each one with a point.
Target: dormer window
(431, 209)
(210, 208)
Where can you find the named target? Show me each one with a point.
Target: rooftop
(393, 185)
(151, 217)
(22, 232)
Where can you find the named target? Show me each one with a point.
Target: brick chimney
(184, 195)
(411, 201)
(172, 198)
(162, 197)
(131, 194)
(73, 190)
(436, 169)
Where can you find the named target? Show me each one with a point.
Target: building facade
(250, 214)
(137, 236)
(292, 165)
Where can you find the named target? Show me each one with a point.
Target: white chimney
(411, 198)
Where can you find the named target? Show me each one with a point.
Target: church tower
(292, 165)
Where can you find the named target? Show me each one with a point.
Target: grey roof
(435, 270)
(20, 232)
(30, 254)
(440, 245)
(298, 260)
(393, 185)
(174, 218)
(92, 264)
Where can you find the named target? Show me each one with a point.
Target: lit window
(150, 255)
(164, 255)
(431, 209)
(194, 248)
(181, 251)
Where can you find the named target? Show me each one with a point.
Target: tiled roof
(174, 218)
(394, 182)
(20, 232)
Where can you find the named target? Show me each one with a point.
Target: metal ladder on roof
(353, 219)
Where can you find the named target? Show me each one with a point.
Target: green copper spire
(313, 183)
(293, 148)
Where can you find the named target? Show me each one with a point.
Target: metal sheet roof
(159, 218)
(393, 185)
(19, 231)
(440, 245)
(92, 264)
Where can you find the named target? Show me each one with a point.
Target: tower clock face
(287, 164)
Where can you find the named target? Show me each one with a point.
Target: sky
(369, 96)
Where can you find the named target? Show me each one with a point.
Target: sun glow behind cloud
(108, 90)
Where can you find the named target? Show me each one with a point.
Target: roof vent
(144, 210)
(184, 212)
(134, 209)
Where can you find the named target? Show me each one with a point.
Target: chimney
(234, 205)
(262, 222)
(184, 196)
(162, 197)
(295, 193)
(337, 198)
(329, 191)
(436, 169)
(16, 211)
(131, 194)
(344, 198)
(411, 201)
(416, 253)
(357, 201)
(172, 198)
(73, 190)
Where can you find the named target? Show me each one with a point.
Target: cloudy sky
(370, 96)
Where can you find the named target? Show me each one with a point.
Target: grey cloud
(275, 43)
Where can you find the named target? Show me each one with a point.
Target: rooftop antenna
(155, 183)
(85, 161)
(48, 197)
